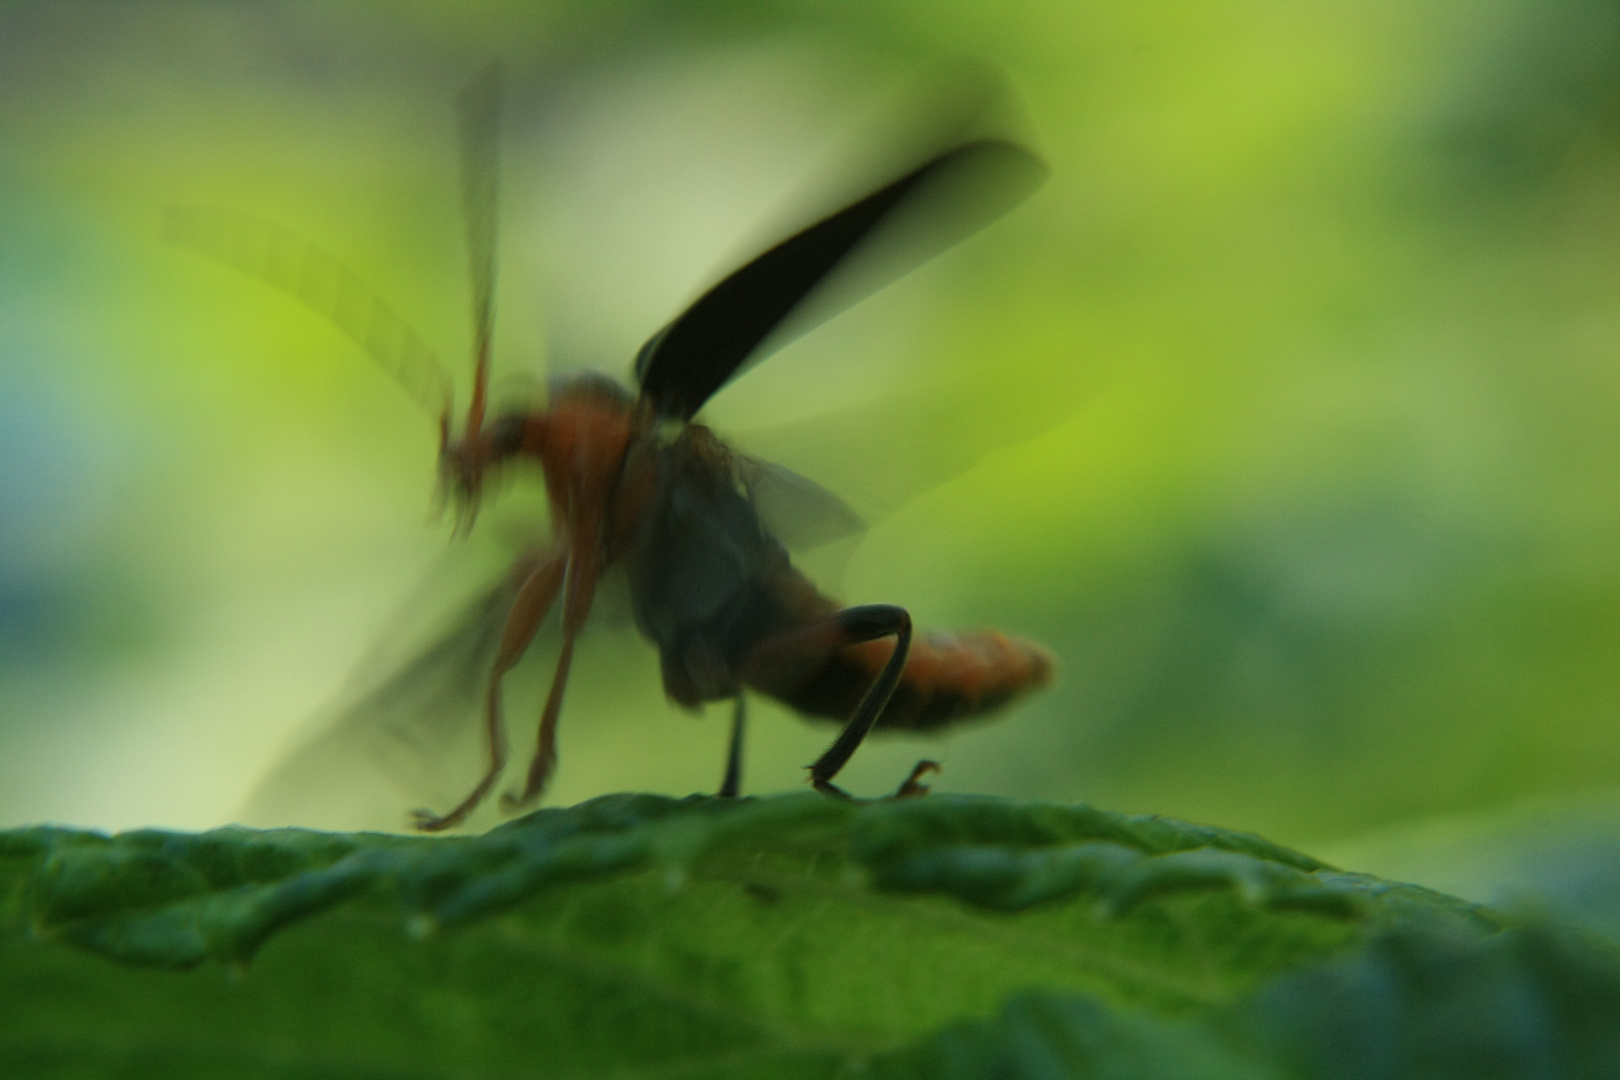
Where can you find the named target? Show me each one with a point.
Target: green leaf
(637, 936)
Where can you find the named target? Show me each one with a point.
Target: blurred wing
(943, 200)
(881, 455)
(797, 511)
(282, 259)
(478, 121)
(416, 735)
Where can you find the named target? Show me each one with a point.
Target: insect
(632, 480)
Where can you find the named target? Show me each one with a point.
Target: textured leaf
(1425, 1001)
(793, 936)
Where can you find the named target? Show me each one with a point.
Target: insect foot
(913, 787)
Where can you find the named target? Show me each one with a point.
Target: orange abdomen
(955, 676)
(947, 678)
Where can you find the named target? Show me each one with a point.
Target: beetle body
(712, 588)
(633, 480)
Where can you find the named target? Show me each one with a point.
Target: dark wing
(284, 260)
(957, 192)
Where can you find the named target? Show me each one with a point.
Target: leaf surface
(643, 936)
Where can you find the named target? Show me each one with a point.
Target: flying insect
(633, 480)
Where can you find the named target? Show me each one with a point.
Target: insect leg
(576, 605)
(534, 599)
(545, 751)
(732, 784)
(855, 625)
(913, 787)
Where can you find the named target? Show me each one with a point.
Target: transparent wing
(880, 455)
(796, 510)
(307, 272)
(412, 737)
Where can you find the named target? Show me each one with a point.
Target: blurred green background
(1285, 413)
